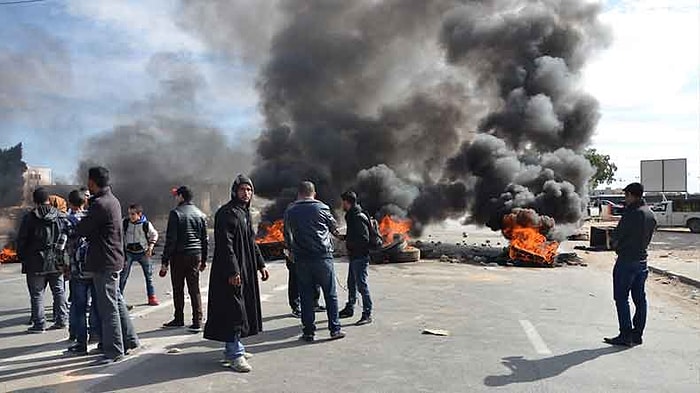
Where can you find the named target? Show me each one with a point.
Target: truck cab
(678, 213)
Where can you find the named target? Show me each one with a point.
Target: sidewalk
(687, 271)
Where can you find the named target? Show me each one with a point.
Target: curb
(684, 279)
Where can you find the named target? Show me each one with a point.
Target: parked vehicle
(678, 213)
(615, 208)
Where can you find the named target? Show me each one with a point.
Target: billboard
(665, 175)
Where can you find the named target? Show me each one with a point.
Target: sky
(70, 69)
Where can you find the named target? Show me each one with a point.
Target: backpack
(46, 236)
(376, 241)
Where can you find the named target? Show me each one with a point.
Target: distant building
(34, 177)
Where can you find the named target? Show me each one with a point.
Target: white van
(678, 213)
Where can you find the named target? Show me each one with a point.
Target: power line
(20, 2)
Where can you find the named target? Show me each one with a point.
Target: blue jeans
(630, 277)
(235, 349)
(312, 273)
(37, 286)
(147, 267)
(81, 292)
(357, 280)
(118, 333)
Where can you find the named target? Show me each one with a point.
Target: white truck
(678, 213)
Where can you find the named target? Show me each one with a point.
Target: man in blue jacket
(630, 240)
(308, 225)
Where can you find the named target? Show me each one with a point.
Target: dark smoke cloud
(385, 97)
(167, 142)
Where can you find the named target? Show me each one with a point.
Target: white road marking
(12, 279)
(535, 338)
(265, 297)
(280, 287)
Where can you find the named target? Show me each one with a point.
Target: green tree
(604, 168)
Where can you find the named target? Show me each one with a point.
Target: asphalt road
(511, 329)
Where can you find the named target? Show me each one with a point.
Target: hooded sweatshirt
(31, 248)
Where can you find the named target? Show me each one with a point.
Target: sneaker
(153, 301)
(620, 340)
(337, 335)
(319, 308)
(173, 324)
(240, 364)
(365, 320)
(309, 338)
(194, 328)
(131, 348)
(347, 312)
(296, 313)
(57, 326)
(77, 350)
(108, 361)
(36, 329)
(227, 362)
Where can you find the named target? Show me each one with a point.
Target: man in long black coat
(234, 291)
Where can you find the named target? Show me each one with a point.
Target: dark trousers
(629, 277)
(36, 283)
(293, 289)
(357, 281)
(185, 269)
(118, 333)
(312, 273)
(81, 292)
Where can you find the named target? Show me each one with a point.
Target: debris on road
(174, 351)
(436, 332)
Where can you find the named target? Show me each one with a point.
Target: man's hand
(202, 266)
(264, 274)
(235, 280)
(149, 251)
(163, 270)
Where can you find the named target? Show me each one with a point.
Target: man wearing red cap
(630, 240)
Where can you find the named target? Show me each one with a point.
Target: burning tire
(409, 254)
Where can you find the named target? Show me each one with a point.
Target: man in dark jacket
(186, 247)
(308, 225)
(102, 227)
(43, 259)
(234, 292)
(630, 240)
(357, 242)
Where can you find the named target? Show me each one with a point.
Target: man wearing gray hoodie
(41, 249)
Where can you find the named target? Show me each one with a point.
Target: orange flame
(527, 243)
(390, 227)
(274, 233)
(8, 255)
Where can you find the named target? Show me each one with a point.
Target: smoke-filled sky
(73, 69)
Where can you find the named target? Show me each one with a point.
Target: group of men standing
(96, 248)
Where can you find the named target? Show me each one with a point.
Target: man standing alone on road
(357, 240)
(234, 292)
(308, 225)
(186, 246)
(630, 240)
(102, 226)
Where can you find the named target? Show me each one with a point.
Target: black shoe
(174, 324)
(130, 348)
(194, 328)
(129, 307)
(57, 326)
(365, 320)
(347, 312)
(636, 338)
(319, 308)
(296, 313)
(36, 329)
(77, 350)
(337, 335)
(309, 338)
(72, 337)
(620, 340)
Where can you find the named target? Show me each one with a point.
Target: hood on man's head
(240, 179)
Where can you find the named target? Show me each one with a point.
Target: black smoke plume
(433, 109)
(12, 169)
(166, 142)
